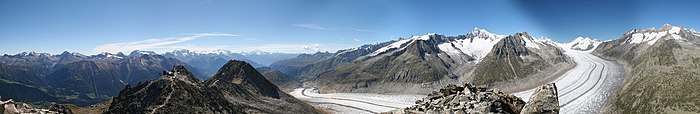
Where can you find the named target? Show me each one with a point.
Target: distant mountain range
(662, 65)
(209, 61)
(80, 79)
(428, 62)
(75, 78)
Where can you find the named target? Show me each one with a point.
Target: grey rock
(543, 101)
(465, 99)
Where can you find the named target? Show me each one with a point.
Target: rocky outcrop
(11, 107)
(469, 99)
(236, 88)
(543, 101)
(466, 99)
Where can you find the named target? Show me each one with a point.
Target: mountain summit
(236, 88)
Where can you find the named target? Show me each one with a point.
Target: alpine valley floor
(586, 87)
(583, 89)
(354, 103)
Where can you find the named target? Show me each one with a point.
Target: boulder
(543, 101)
(465, 99)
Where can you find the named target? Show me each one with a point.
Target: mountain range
(662, 68)
(42, 78)
(209, 61)
(428, 62)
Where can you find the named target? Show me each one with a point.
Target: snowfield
(586, 87)
(355, 103)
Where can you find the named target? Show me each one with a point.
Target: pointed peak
(482, 33)
(427, 36)
(181, 73)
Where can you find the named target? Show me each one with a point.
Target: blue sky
(305, 26)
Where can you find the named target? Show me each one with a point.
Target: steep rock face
(543, 101)
(466, 99)
(518, 57)
(241, 77)
(662, 65)
(236, 88)
(417, 63)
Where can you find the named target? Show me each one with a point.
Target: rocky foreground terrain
(12, 107)
(469, 99)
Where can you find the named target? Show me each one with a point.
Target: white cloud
(162, 45)
(319, 27)
(311, 26)
(155, 44)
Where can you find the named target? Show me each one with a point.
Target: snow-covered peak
(139, 52)
(397, 44)
(32, 54)
(109, 55)
(583, 44)
(482, 33)
(424, 37)
(529, 41)
(185, 52)
(256, 52)
(546, 40)
(651, 35)
(476, 45)
(217, 51)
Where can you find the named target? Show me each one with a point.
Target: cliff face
(236, 88)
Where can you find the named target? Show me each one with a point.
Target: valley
(586, 87)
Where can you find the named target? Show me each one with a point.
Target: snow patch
(530, 43)
(396, 44)
(582, 43)
(477, 46)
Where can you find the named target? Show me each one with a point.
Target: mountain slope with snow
(663, 65)
(421, 62)
(582, 44)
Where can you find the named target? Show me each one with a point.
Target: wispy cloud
(319, 27)
(312, 26)
(158, 43)
(254, 39)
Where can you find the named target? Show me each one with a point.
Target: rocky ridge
(469, 99)
(236, 88)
